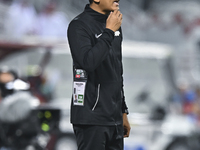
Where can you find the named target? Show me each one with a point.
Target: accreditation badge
(79, 85)
(79, 91)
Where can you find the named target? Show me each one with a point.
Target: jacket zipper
(97, 98)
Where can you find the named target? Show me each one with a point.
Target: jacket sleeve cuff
(108, 35)
(125, 111)
(124, 106)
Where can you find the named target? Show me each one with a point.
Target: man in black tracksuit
(98, 109)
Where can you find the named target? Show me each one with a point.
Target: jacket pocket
(97, 100)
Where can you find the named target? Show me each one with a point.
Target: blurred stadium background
(167, 78)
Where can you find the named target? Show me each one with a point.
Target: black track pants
(99, 137)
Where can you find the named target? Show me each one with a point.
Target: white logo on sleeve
(117, 33)
(97, 36)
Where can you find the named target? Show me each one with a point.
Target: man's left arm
(125, 112)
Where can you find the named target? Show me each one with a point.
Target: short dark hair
(91, 1)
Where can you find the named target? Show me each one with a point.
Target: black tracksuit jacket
(98, 51)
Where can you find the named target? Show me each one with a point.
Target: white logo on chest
(97, 36)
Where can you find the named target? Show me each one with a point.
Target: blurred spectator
(10, 83)
(185, 98)
(178, 18)
(197, 105)
(6, 76)
(52, 23)
(146, 4)
(20, 19)
(5, 1)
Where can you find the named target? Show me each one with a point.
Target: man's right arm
(88, 56)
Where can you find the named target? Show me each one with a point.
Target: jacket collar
(95, 15)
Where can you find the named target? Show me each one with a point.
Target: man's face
(106, 6)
